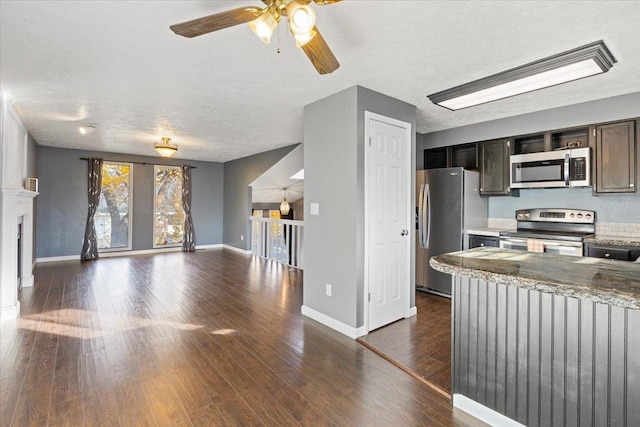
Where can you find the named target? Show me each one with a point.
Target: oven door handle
(512, 240)
(565, 244)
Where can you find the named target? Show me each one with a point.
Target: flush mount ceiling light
(299, 15)
(584, 61)
(87, 128)
(165, 147)
(284, 206)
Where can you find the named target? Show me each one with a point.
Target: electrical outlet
(328, 290)
(242, 237)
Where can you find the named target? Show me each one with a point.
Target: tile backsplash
(618, 229)
(502, 223)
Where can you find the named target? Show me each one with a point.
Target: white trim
(212, 246)
(412, 311)
(233, 248)
(58, 258)
(27, 282)
(10, 312)
(368, 116)
(332, 323)
(483, 413)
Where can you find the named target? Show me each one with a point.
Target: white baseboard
(27, 282)
(214, 246)
(125, 253)
(483, 413)
(413, 311)
(58, 258)
(10, 312)
(233, 248)
(332, 323)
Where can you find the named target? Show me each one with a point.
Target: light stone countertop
(601, 239)
(615, 283)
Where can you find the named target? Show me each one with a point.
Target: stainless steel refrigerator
(448, 203)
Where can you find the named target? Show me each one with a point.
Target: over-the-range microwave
(564, 168)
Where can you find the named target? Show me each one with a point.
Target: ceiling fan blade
(215, 22)
(320, 55)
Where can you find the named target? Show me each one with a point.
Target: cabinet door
(615, 158)
(494, 168)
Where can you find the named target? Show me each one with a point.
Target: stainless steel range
(554, 231)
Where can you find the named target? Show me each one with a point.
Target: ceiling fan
(264, 21)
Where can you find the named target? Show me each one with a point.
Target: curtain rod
(135, 163)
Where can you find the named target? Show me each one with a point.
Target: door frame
(368, 116)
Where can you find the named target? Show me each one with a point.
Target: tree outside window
(112, 217)
(169, 215)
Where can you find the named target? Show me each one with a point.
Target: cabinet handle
(631, 185)
(481, 244)
(607, 255)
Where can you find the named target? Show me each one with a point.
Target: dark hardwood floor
(420, 344)
(202, 339)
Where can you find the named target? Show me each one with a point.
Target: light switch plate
(315, 209)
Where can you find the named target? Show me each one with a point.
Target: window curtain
(94, 187)
(189, 237)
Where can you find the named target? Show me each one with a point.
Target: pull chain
(278, 51)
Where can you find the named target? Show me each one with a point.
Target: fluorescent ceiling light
(298, 175)
(584, 61)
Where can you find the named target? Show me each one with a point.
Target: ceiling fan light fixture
(264, 26)
(165, 148)
(302, 39)
(584, 61)
(302, 18)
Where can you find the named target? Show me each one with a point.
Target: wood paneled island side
(544, 339)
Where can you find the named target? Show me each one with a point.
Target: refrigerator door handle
(421, 216)
(426, 217)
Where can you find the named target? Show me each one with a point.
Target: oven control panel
(574, 216)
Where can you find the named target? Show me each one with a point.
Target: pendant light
(284, 206)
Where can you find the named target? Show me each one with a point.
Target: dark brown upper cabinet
(616, 158)
(493, 157)
(462, 155)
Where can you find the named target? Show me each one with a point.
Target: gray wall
(62, 203)
(334, 178)
(615, 208)
(238, 174)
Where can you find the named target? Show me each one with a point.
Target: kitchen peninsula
(545, 339)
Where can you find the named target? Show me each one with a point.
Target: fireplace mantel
(16, 203)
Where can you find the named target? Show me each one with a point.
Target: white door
(387, 212)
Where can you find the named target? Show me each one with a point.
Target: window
(113, 222)
(168, 212)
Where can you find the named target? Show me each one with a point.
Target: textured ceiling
(226, 95)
